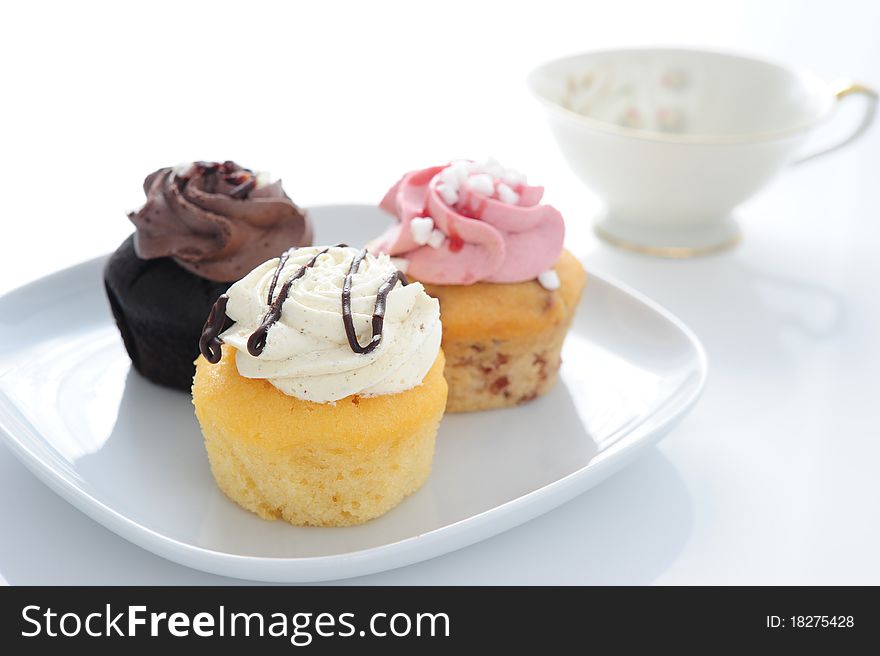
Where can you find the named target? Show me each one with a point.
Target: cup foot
(669, 241)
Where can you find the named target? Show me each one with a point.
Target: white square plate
(129, 454)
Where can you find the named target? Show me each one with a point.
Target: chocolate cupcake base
(160, 309)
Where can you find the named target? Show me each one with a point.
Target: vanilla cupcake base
(503, 341)
(485, 374)
(315, 464)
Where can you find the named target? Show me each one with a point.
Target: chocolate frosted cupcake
(204, 226)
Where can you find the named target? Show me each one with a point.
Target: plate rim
(406, 551)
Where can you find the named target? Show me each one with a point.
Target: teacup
(673, 140)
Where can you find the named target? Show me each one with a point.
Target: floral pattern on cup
(634, 98)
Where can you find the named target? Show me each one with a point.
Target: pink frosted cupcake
(479, 239)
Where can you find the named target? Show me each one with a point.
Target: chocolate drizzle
(210, 341)
(257, 341)
(378, 311)
(281, 262)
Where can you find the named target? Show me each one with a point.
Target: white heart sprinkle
(506, 194)
(420, 228)
(447, 193)
(513, 177)
(436, 239)
(549, 279)
(482, 184)
(454, 175)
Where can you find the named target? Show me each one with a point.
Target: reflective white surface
(771, 479)
(130, 455)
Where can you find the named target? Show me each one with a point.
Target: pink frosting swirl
(486, 239)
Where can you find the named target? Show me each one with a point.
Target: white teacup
(673, 140)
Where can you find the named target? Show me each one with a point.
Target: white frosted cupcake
(321, 410)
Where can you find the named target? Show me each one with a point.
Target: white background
(773, 477)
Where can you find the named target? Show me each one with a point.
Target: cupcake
(204, 226)
(320, 404)
(481, 242)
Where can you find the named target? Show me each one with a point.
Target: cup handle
(843, 91)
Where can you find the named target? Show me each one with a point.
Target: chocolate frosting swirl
(216, 221)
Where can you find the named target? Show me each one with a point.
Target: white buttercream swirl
(307, 354)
